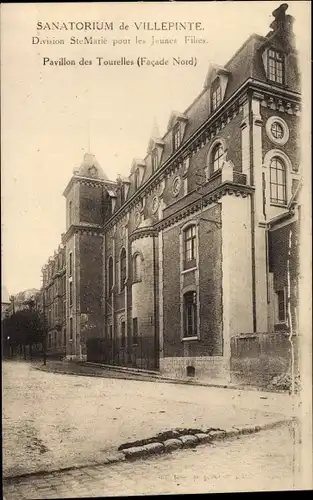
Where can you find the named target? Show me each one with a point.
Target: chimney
(282, 21)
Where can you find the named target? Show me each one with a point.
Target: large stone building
(165, 266)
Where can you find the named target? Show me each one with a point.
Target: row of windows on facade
(137, 261)
(57, 313)
(56, 265)
(190, 327)
(58, 288)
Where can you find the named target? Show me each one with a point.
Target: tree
(23, 328)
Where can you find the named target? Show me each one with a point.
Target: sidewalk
(119, 372)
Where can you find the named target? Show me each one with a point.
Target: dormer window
(216, 94)
(154, 160)
(137, 178)
(92, 171)
(275, 66)
(176, 136)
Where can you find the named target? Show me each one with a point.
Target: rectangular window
(123, 269)
(71, 328)
(111, 331)
(176, 137)
(70, 213)
(190, 244)
(64, 337)
(110, 274)
(49, 340)
(216, 97)
(281, 306)
(71, 292)
(277, 182)
(190, 314)
(70, 264)
(154, 159)
(135, 331)
(275, 66)
(123, 331)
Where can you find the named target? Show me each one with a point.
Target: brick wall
(91, 283)
(278, 255)
(91, 201)
(291, 148)
(210, 286)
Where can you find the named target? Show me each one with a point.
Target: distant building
(24, 300)
(161, 270)
(54, 301)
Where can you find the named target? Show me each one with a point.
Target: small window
(217, 157)
(281, 306)
(190, 244)
(216, 94)
(110, 274)
(176, 136)
(276, 66)
(277, 130)
(190, 371)
(137, 267)
(123, 334)
(71, 292)
(135, 331)
(154, 160)
(122, 269)
(190, 314)
(277, 181)
(111, 331)
(64, 337)
(50, 340)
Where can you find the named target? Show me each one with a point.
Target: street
(52, 421)
(260, 462)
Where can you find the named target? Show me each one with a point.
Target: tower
(88, 205)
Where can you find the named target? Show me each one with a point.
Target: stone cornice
(211, 127)
(87, 181)
(143, 233)
(94, 230)
(227, 188)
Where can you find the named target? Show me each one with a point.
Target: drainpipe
(156, 337)
(252, 214)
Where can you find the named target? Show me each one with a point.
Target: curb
(161, 447)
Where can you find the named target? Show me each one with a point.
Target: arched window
(137, 179)
(110, 274)
(217, 157)
(278, 181)
(190, 314)
(137, 267)
(216, 95)
(122, 269)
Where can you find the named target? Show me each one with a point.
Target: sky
(52, 115)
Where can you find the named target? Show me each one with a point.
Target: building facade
(162, 268)
(53, 302)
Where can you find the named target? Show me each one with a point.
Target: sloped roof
(89, 162)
